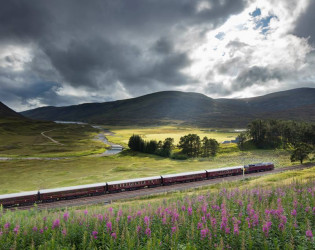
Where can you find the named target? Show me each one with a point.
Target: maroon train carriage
(184, 177)
(23, 198)
(258, 167)
(115, 186)
(72, 192)
(220, 172)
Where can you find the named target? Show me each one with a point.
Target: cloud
(134, 46)
(305, 23)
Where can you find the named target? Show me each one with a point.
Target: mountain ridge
(189, 108)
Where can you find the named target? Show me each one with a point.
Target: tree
(241, 138)
(214, 146)
(135, 142)
(190, 145)
(301, 152)
(167, 147)
(209, 147)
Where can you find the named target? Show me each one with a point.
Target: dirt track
(108, 198)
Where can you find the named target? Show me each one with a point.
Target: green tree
(241, 139)
(190, 145)
(301, 152)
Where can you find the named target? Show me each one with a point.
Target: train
(55, 194)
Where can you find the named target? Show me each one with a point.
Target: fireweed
(276, 217)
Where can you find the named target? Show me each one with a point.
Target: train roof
(184, 174)
(53, 190)
(224, 169)
(13, 195)
(259, 164)
(134, 180)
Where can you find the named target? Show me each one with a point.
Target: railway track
(109, 198)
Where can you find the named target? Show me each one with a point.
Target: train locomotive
(49, 195)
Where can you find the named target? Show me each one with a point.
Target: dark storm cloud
(255, 75)
(305, 24)
(99, 43)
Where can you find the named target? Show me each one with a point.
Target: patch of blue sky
(263, 23)
(256, 12)
(220, 35)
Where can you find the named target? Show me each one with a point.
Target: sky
(69, 52)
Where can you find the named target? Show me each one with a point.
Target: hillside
(187, 108)
(6, 112)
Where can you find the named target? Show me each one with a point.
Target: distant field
(84, 168)
(122, 134)
(25, 139)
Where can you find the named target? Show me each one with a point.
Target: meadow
(83, 167)
(256, 213)
(24, 139)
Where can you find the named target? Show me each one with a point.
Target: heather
(277, 217)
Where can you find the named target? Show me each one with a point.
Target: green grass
(23, 138)
(22, 175)
(83, 168)
(122, 134)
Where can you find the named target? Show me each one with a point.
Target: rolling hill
(175, 107)
(6, 112)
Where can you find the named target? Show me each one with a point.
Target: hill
(173, 107)
(6, 112)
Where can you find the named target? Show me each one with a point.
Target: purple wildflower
(189, 210)
(35, 229)
(56, 223)
(204, 232)
(109, 226)
(174, 229)
(64, 232)
(66, 216)
(16, 229)
(114, 236)
(146, 220)
(309, 234)
(94, 234)
(86, 212)
(7, 225)
(138, 229)
(148, 232)
(293, 213)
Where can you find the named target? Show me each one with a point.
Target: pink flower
(138, 229)
(199, 226)
(64, 232)
(94, 234)
(174, 229)
(148, 232)
(56, 223)
(309, 234)
(16, 229)
(204, 232)
(34, 229)
(86, 212)
(66, 216)
(109, 226)
(129, 218)
(189, 210)
(146, 220)
(293, 213)
(266, 228)
(183, 208)
(7, 225)
(114, 236)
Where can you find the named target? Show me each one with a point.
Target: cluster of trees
(136, 143)
(191, 145)
(298, 137)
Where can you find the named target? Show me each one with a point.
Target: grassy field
(24, 138)
(22, 175)
(122, 134)
(84, 167)
(272, 212)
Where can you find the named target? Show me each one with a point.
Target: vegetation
(190, 145)
(237, 215)
(301, 152)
